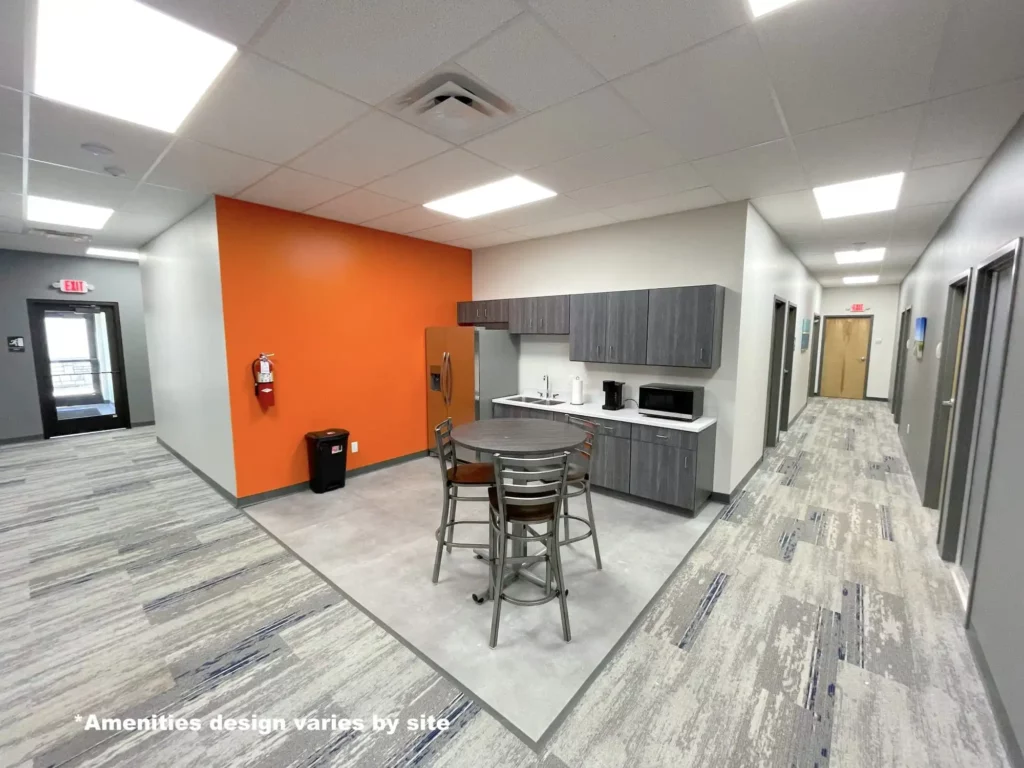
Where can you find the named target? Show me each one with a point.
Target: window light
(852, 198)
(124, 59)
(113, 253)
(496, 196)
(862, 256)
(46, 210)
(860, 279)
(761, 7)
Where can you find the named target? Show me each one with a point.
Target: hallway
(813, 625)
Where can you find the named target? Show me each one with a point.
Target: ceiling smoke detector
(453, 107)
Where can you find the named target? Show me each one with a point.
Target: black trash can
(327, 450)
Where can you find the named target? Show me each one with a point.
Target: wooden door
(844, 362)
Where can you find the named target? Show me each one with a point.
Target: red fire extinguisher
(263, 379)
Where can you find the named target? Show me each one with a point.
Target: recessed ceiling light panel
(863, 256)
(497, 196)
(113, 253)
(124, 59)
(860, 279)
(761, 7)
(46, 210)
(852, 198)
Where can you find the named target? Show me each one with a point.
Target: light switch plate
(355, 447)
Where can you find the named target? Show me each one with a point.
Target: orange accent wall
(343, 308)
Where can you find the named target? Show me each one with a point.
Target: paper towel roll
(577, 391)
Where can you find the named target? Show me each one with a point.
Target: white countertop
(631, 415)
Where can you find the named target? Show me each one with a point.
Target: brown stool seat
(576, 474)
(472, 474)
(519, 514)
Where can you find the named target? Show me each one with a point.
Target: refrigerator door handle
(446, 381)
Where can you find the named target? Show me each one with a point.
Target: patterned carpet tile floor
(814, 625)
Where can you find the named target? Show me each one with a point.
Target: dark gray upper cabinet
(492, 312)
(539, 314)
(685, 326)
(608, 327)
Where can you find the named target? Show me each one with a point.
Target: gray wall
(990, 215)
(25, 276)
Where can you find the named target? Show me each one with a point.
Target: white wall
(184, 313)
(880, 301)
(769, 269)
(689, 248)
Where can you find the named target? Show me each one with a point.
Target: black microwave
(671, 401)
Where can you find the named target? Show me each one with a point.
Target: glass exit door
(79, 367)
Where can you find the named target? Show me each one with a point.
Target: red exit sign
(856, 307)
(73, 286)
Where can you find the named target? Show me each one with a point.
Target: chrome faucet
(547, 388)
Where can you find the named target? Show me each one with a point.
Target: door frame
(812, 376)
(788, 355)
(903, 338)
(771, 440)
(47, 407)
(932, 492)
(1008, 253)
(867, 363)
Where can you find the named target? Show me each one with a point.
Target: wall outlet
(355, 447)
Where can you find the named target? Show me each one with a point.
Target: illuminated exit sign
(856, 307)
(72, 286)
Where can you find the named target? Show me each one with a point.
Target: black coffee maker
(613, 395)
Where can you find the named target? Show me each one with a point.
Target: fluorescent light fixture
(113, 253)
(863, 256)
(496, 196)
(860, 279)
(124, 59)
(761, 7)
(852, 198)
(46, 210)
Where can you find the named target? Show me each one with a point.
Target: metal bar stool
(527, 493)
(579, 485)
(454, 476)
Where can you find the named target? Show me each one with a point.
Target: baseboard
(878, 399)
(24, 439)
(232, 499)
(1010, 743)
(143, 423)
(726, 498)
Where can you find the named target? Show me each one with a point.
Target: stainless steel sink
(525, 399)
(542, 401)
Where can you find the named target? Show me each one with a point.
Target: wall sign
(73, 286)
(15, 343)
(856, 307)
(920, 327)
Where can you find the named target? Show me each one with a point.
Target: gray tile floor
(374, 540)
(813, 625)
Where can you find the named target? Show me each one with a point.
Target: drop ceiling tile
(456, 230)
(409, 220)
(233, 20)
(10, 121)
(643, 186)
(982, 46)
(709, 100)
(559, 226)
(529, 66)
(40, 244)
(358, 206)
(256, 108)
(293, 190)
(837, 234)
(374, 146)
(76, 186)
(639, 154)
(870, 146)
(201, 168)
(968, 125)
(12, 43)
(10, 174)
(131, 230)
(939, 183)
(534, 213)
(152, 209)
(10, 207)
(793, 213)
(618, 37)
(453, 171)
(832, 62)
(767, 169)
(683, 201)
(334, 42)
(484, 241)
(584, 122)
(920, 223)
(58, 132)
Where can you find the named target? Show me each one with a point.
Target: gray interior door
(812, 375)
(901, 364)
(775, 378)
(992, 368)
(787, 370)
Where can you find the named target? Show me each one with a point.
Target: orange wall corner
(343, 308)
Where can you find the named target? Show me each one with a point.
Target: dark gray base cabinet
(539, 314)
(502, 411)
(609, 467)
(664, 472)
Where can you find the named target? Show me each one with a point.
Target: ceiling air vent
(72, 237)
(453, 107)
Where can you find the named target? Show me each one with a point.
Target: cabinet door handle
(686, 462)
(611, 351)
(702, 354)
(665, 437)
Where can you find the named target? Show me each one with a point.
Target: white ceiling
(628, 110)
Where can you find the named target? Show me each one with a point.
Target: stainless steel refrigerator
(466, 369)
